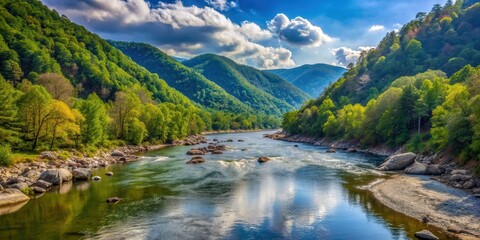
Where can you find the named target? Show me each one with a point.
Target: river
(302, 193)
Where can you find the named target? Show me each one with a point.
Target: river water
(302, 193)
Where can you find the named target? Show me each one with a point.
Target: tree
(8, 113)
(62, 121)
(93, 128)
(35, 111)
(125, 107)
(58, 86)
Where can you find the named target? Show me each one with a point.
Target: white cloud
(177, 29)
(297, 31)
(222, 5)
(346, 55)
(376, 28)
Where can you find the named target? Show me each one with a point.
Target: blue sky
(260, 33)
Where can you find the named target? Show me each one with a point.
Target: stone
(38, 190)
(454, 229)
(476, 195)
(426, 235)
(217, 152)
(42, 184)
(351, 150)
(295, 145)
(31, 174)
(56, 176)
(425, 219)
(229, 140)
(117, 154)
(468, 184)
(331, 150)
(113, 200)
(459, 177)
(11, 196)
(196, 160)
(195, 151)
(398, 162)
(49, 155)
(109, 174)
(459, 171)
(81, 174)
(20, 186)
(96, 178)
(263, 159)
(418, 168)
(241, 140)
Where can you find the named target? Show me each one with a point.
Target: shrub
(5, 155)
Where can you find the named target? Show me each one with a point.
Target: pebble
(109, 174)
(96, 178)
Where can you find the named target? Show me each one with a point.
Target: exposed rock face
(195, 151)
(56, 176)
(398, 162)
(196, 160)
(418, 168)
(426, 235)
(81, 174)
(263, 159)
(11, 196)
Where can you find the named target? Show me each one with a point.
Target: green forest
(419, 87)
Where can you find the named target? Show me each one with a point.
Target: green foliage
(136, 131)
(5, 155)
(94, 126)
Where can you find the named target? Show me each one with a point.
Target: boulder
(117, 154)
(467, 185)
(459, 171)
(459, 177)
(295, 145)
(196, 160)
(217, 152)
(20, 186)
(398, 162)
(56, 176)
(195, 151)
(241, 140)
(11, 196)
(263, 159)
(426, 235)
(39, 190)
(331, 150)
(113, 200)
(42, 184)
(81, 174)
(229, 140)
(418, 168)
(96, 178)
(109, 174)
(49, 155)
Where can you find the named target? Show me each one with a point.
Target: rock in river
(426, 235)
(398, 162)
(331, 150)
(38, 190)
(42, 184)
(56, 176)
(97, 178)
(195, 151)
(196, 160)
(20, 186)
(263, 159)
(82, 174)
(113, 200)
(109, 174)
(11, 196)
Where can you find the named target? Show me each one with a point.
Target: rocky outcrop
(56, 176)
(418, 168)
(12, 196)
(426, 235)
(81, 174)
(398, 162)
(196, 160)
(263, 159)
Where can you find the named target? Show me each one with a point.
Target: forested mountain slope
(390, 97)
(311, 78)
(264, 92)
(188, 81)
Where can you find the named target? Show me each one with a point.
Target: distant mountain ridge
(262, 91)
(311, 78)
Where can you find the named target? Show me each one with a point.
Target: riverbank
(432, 202)
(233, 131)
(52, 168)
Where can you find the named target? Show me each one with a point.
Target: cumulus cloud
(177, 29)
(376, 28)
(345, 56)
(297, 31)
(221, 5)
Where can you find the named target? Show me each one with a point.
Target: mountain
(262, 91)
(391, 96)
(311, 78)
(191, 83)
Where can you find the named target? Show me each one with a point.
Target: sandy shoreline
(421, 197)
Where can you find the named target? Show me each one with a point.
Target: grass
(24, 157)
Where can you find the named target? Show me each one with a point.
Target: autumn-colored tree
(57, 85)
